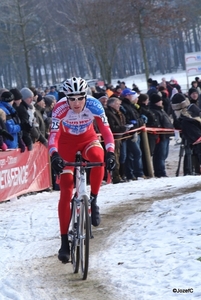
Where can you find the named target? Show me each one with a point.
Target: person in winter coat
(161, 150)
(188, 119)
(47, 115)
(26, 115)
(134, 166)
(152, 121)
(17, 100)
(6, 104)
(117, 122)
(40, 108)
(193, 96)
(4, 134)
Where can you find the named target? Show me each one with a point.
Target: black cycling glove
(57, 163)
(110, 161)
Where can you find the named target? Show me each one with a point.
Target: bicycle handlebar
(84, 164)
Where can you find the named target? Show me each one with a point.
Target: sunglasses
(76, 98)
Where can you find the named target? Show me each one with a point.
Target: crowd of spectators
(26, 115)
(25, 118)
(129, 108)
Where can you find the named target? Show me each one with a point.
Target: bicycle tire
(84, 229)
(75, 250)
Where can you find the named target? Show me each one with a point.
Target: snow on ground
(154, 252)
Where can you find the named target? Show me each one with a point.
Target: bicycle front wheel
(75, 249)
(84, 237)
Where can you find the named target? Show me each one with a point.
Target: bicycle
(80, 227)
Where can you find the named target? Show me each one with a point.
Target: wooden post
(146, 150)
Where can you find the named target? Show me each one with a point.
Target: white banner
(193, 63)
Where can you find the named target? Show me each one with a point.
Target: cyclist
(72, 130)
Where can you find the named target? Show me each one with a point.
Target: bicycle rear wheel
(84, 237)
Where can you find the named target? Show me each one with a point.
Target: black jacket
(22, 111)
(152, 119)
(131, 113)
(164, 120)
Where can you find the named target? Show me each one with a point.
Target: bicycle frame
(80, 232)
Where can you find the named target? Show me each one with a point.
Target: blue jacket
(55, 94)
(11, 126)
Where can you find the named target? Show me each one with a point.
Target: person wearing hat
(4, 134)
(40, 115)
(153, 87)
(53, 92)
(131, 153)
(17, 100)
(161, 150)
(6, 104)
(25, 113)
(187, 119)
(117, 122)
(152, 121)
(193, 96)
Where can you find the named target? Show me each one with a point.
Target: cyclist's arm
(106, 132)
(54, 136)
(58, 113)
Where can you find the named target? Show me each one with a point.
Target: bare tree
(20, 24)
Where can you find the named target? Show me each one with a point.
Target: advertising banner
(193, 63)
(21, 173)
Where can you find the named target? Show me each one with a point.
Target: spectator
(153, 88)
(6, 104)
(166, 99)
(162, 146)
(49, 105)
(171, 85)
(123, 85)
(116, 92)
(193, 96)
(3, 145)
(164, 83)
(53, 92)
(187, 118)
(17, 100)
(152, 120)
(117, 122)
(2, 90)
(136, 88)
(198, 81)
(194, 84)
(25, 111)
(39, 111)
(47, 115)
(103, 98)
(47, 90)
(134, 166)
(109, 90)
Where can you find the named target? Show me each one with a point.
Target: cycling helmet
(75, 86)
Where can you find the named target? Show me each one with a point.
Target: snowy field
(140, 80)
(154, 252)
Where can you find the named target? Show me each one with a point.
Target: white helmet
(75, 86)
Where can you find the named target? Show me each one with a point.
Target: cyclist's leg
(95, 153)
(64, 212)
